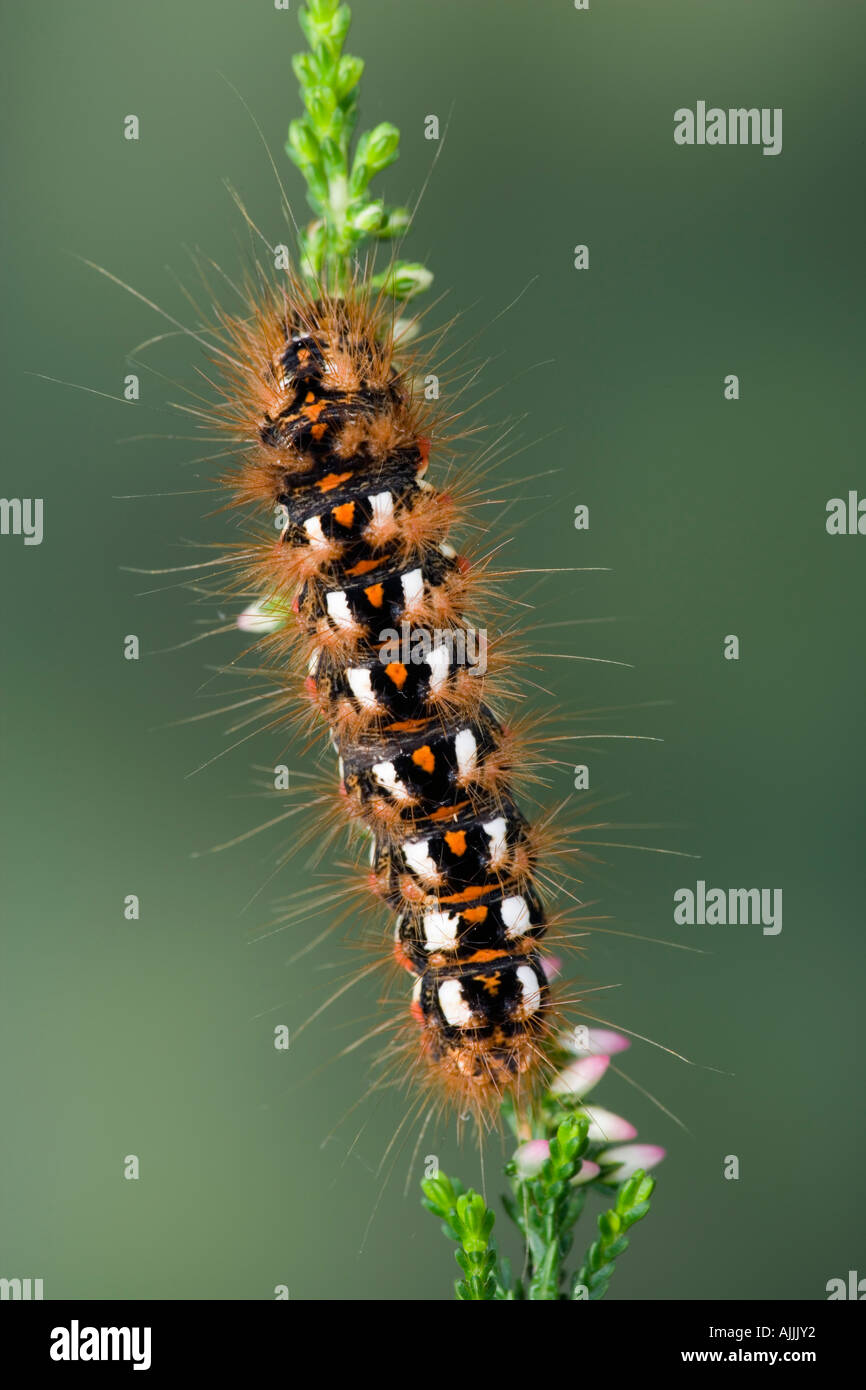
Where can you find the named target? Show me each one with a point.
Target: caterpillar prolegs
(338, 441)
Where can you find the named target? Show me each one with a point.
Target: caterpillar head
(302, 357)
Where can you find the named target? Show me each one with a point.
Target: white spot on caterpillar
(447, 550)
(315, 658)
(455, 1008)
(439, 662)
(413, 586)
(416, 990)
(338, 608)
(440, 931)
(515, 916)
(359, 683)
(465, 748)
(386, 776)
(529, 988)
(495, 832)
(313, 528)
(382, 504)
(416, 854)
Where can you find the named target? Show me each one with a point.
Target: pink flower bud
(262, 617)
(607, 1128)
(530, 1156)
(552, 966)
(588, 1171)
(630, 1157)
(588, 1042)
(579, 1077)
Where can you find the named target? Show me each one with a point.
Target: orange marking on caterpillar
(456, 841)
(476, 914)
(375, 593)
(332, 480)
(448, 813)
(397, 673)
(364, 567)
(344, 515)
(424, 758)
(468, 894)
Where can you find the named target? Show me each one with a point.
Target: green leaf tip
(469, 1221)
(631, 1205)
(320, 144)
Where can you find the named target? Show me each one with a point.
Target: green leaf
(394, 223)
(348, 75)
(403, 279)
(340, 23)
(333, 161)
(609, 1224)
(303, 146)
(321, 104)
(376, 149)
(367, 217)
(306, 69)
(382, 146)
(308, 25)
(331, 28)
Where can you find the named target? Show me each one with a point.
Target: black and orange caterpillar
(337, 438)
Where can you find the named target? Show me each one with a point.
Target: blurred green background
(154, 1037)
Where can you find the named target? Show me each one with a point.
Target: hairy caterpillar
(338, 438)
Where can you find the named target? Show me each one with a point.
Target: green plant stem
(338, 178)
(467, 1219)
(632, 1204)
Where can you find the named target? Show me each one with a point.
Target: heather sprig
(567, 1153)
(338, 169)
